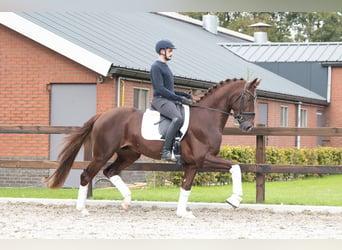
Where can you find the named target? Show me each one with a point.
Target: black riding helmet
(164, 44)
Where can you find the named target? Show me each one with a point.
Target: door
(71, 105)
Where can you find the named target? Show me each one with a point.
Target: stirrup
(167, 156)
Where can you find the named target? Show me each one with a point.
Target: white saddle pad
(150, 124)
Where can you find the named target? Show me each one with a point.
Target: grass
(311, 191)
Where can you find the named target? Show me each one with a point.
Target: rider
(165, 98)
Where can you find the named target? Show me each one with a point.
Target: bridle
(240, 117)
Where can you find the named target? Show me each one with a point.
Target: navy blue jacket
(163, 82)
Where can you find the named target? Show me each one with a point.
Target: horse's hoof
(85, 212)
(234, 201)
(125, 205)
(186, 215)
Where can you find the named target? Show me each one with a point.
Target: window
(262, 113)
(141, 97)
(284, 116)
(303, 118)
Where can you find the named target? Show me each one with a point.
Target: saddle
(154, 127)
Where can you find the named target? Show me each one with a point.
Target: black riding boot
(166, 153)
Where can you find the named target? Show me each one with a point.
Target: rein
(236, 116)
(212, 109)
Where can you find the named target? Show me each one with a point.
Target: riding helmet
(164, 44)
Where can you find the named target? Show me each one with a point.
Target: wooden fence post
(88, 154)
(260, 158)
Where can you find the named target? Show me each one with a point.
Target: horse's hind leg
(86, 177)
(81, 199)
(125, 157)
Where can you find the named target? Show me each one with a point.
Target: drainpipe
(120, 92)
(122, 86)
(118, 97)
(329, 85)
(299, 107)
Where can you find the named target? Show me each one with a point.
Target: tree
(286, 26)
(316, 26)
(276, 33)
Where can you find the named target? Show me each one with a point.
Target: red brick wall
(106, 96)
(334, 111)
(274, 121)
(28, 67)
(127, 91)
(26, 70)
(127, 88)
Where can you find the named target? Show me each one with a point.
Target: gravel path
(55, 220)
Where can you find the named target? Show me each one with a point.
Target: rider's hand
(186, 101)
(187, 95)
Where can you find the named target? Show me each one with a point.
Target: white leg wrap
(123, 189)
(236, 179)
(182, 204)
(81, 199)
(236, 198)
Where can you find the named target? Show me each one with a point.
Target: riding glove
(186, 101)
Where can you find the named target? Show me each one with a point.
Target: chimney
(210, 23)
(260, 34)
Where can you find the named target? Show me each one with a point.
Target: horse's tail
(67, 156)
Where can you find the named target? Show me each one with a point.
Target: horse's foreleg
(215, 162)
(185, 191)
(236, 198)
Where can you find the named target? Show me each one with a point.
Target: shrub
(246, 155)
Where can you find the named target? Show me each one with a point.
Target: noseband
(240, 117)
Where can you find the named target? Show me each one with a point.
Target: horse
(117, 132)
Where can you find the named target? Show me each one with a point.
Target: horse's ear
(254, 84)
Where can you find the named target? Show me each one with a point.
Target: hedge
(243, 154)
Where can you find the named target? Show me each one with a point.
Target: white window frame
(146, 101)
(284, 116)
(303, 118)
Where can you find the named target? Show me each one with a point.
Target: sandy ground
(34, 220)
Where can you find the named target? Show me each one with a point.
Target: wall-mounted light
(48, 87)
(100, 79)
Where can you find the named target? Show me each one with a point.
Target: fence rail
(266, 131)
(260, 168)
(172, 167)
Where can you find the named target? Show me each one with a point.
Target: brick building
(315, 66)
(60, 68)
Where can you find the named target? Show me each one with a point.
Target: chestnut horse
(119, 131)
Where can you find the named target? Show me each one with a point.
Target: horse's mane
(216, 87)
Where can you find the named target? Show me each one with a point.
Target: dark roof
(125, 41)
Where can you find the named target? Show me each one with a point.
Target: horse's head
(243, 105)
